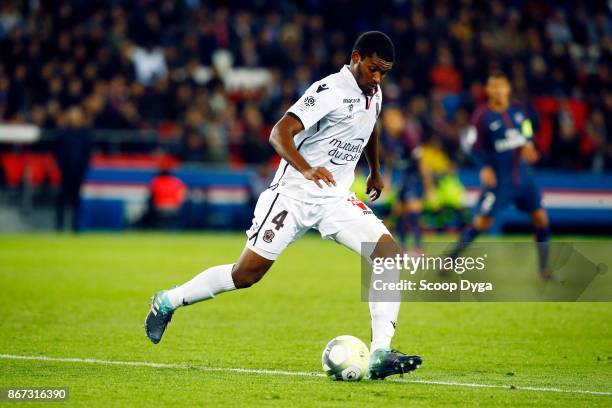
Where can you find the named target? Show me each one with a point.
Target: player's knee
(386, 247)
(243, 281)
(245, 277)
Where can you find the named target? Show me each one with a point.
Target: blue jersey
(498, 140)
(404, 155)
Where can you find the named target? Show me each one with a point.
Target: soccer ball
(346, 358)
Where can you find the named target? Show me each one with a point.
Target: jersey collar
(348, 75)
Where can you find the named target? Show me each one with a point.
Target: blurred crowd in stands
(138, 65)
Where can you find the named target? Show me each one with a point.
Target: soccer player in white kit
(320, 140)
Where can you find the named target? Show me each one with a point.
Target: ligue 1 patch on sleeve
(309, 101)
(306, 104)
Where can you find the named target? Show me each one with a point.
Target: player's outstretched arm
(281, 139)
(473, 144)
(375, 182)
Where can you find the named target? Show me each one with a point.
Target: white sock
(206, 285)
(384, 314)
(384, 319)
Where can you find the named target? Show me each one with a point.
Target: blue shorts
(526, 198)
(411, 188)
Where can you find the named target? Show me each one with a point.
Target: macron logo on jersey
(322, 87)
(495, 125)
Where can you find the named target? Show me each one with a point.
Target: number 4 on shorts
(279, 218)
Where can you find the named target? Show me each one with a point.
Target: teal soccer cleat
(159, 316)
(386, 362)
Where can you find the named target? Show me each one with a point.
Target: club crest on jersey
(495, 125)
(357, 203)
(309, 101)
(268, 236)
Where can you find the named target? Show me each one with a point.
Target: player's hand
(487, 177)
(318, 174)
(374, 186)
(530, 154)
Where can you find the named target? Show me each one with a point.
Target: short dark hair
(375, 42)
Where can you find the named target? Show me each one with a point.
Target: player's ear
(355, 57)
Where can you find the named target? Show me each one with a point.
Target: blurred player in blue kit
(404, 157)
(500, 144)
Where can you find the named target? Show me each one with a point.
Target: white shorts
(279, 220)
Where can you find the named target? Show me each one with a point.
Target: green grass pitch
(86, 297)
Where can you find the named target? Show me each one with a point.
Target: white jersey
(338, 119)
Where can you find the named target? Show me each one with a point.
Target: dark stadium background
(109, 93)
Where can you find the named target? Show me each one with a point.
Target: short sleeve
(318, 100)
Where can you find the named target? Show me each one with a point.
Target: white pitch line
(157, 365)
(506, 387)
(289, 373)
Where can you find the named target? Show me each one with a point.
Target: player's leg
(488, 205)
(542, 238)
(384, 361)
(479, 224)
(248, 270)
(383, 314)
(415, 209)
(266, 240)
(274, 227)
(530, 201)
(402, 226)
(410, 209)
(353, 225)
